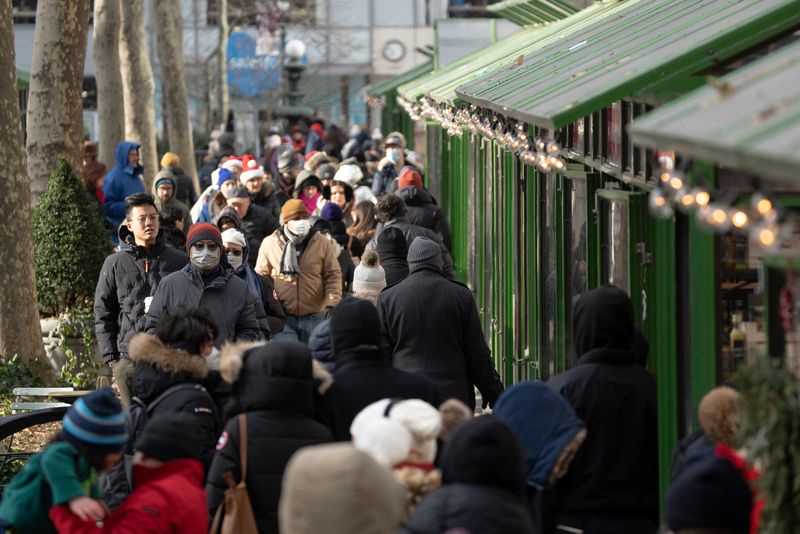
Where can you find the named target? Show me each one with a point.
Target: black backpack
(116, 482)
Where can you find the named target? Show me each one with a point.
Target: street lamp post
(295, 50)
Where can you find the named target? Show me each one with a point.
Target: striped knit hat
(96, 422)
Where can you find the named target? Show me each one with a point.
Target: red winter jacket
(165, 499)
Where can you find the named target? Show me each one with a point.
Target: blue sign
(250, 74)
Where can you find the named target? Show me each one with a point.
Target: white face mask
(205, 260)
(299, 227)
(235, 261)
(394, 154)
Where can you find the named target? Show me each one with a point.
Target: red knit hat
(200, 231)
(409, 177)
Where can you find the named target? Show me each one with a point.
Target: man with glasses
(208, 281)
(128, 282)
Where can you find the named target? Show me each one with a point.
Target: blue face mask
(394, 154)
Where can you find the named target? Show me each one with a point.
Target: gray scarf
(289, 264)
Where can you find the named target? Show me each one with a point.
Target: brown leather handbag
(235, 513)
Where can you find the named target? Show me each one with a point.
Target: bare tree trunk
(55, 105)
(110, 98)
(19, 318)
(222, 56)
(138, 86)
(169, 47)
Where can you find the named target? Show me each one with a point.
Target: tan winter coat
(319, 284)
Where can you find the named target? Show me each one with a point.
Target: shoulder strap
(243, 445)
(170, 390)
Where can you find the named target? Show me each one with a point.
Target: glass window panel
(614, 139)
(393, 13)
(549, 276)
(349, 13)
(615, 243)
(577, 251)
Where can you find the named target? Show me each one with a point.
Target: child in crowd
(65, 472)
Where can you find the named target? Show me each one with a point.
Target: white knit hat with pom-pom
(369, 275)
(422, 420)
(387, 441)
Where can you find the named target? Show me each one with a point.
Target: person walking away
(274, 387)
(314, 138)
(208, 281)
(612, 485)
(171, 223)
(215, 200)
(323, 227)
(267, 306)
(123, 180)
(390, 166)
(257, 223)
(362, 374)
(369, 278)
(391, 212)
(91, 439)
(262, 190)
(184, 189)
(164, 189)
(550, 434)
(350, 173)
(304, 269)
(338, 489)
(392, 249)
(168, 493)
(431, 325)
(332, 213)
(127, 283)
(482, 491)
(421, 206)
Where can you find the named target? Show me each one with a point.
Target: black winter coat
(475, 508)
(364, 377)
(159, 367)
(615, 471)
(423, 211)
(257, 224)
(277, 397)
(127, 277)
(226, 297)
(431, 326)
(185, 187)
(272, 203)
(412, 231)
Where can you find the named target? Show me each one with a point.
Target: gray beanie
(425, 251)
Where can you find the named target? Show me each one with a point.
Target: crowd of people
(290, 354)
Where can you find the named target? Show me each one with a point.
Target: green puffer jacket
(54, 476)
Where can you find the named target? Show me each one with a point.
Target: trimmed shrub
(70, 243)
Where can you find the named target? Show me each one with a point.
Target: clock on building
(394, 50)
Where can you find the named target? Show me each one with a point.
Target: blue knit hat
(96, 421)
(331, 212)
(223, 176)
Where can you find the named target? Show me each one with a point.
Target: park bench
(21, 405)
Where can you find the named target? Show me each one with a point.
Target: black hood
(159, 366)
(485, 451)
(127, 243)
(602, 319)
(277, 376)
(414, 197)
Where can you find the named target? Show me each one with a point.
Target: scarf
(289, 265)
(311, 203)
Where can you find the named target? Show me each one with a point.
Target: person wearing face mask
(390, 166)
(304, 267)
(208, 281)
(271, 311)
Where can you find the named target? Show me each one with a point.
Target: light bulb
(660, 206)
(719, 216)
(762, 204)
(676, 183)
(553, 148)
(685, 199)
(701, 197)
(739, 218)
(664, 176)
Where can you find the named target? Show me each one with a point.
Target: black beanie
(169, 436)
(391, 244)
(710, 493)
(485, 451)
(354, 322)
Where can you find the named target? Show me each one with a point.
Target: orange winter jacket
(319, 284)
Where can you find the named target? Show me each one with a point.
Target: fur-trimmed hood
(149, 349)
(280, 375)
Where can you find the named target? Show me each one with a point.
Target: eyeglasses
(143, 219)
(232, 252)
(212, 247)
